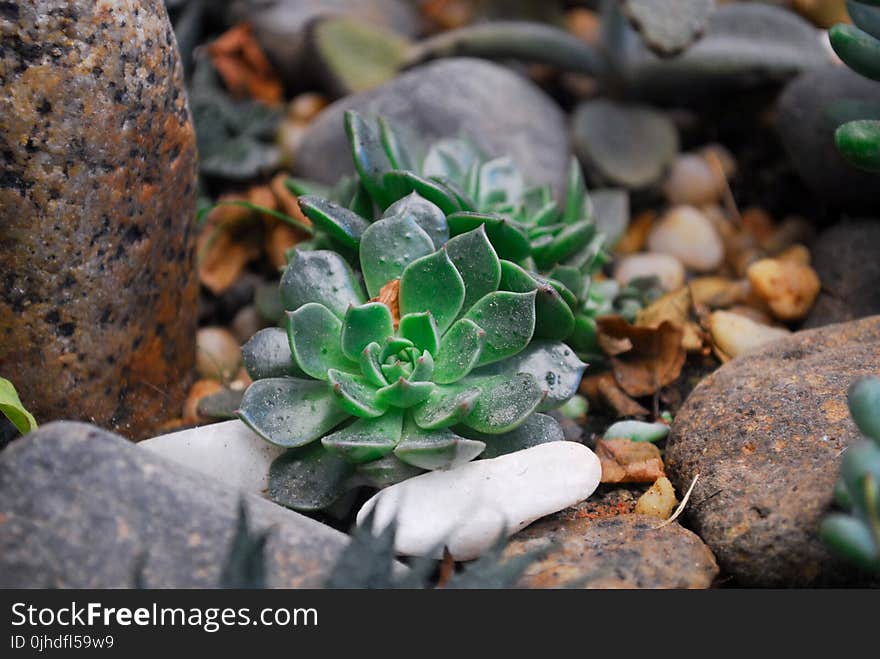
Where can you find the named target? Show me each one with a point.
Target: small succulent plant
(12, 408)
(549, 247)
(420, 371)
(858, 45)
(855, 535)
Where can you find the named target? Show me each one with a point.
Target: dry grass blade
(681, 506)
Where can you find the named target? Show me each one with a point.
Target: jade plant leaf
(506, 236)
(12, 408)
(400, 183)
(404, 393)
(460, 348)
(388, 246)
(363, 325)
(367, 439)
(477, 263)
(508, 320)
(432, 283)
(421, 329)
(267, 355)
(356, 395)
(370, 159)
(553, 317)
(504, 403)
(436, 449)
(445, 406)
(342, 224)
(427, 215)
(309, 478)
(537, 429)
(314, 335)
(371, 366)
(859, 143)
(290, 412)
(320, 276)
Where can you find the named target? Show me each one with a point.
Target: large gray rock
(765, 433)
(847, 258)
(97, 202)
(501, 111)
(81, 508)
(810, 110)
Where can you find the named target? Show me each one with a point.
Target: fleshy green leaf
(507, 236)
(267, 355)
(504, 403)
(342, 224)
(859, 142)
(432, 283)
(395, 148)
(508, 320)
(401, 183)
(852, 539)
(12, 408)
(860, 472)
(451, 159)
(637, 431)
(385, 471)
(858, 49)
(476, 262)
(553, 316)
(367, 439)
(553, 364)
(370, 159)
(460, 348)
(404, 393)
(356, 395)
(388, 246)
(572, 239)
(289, 411)
(309, 478)
(393, 345)
(585, 336)
(363, 325)
(421, 329)
(314, 335)
(427, 215)
(323, 277)
(445, 407)
(371, 366)
(436, 449)
(500, 181)
(423, 369)
(864, 406)
(537, 429)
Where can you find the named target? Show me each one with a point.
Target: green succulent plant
(858, 45)
(855, 535)
(12, 408)
(389, 399)
(549, 247)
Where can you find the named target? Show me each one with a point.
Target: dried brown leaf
(626, 461)
(388, 295)
(602, 389)
(244, 68)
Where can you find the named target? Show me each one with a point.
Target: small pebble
(735, 334)
(692, 180)
(637, 431)
(687, 234)
(717, 292)
(218, 354)
(659, 500)
(789, 288)
(666, 268)
(246, 323)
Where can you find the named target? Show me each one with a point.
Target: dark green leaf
(388, 246)
(432, 283)
(370, 159)
(508, 320)
(367, 439)
(504, 403)
(342, 224)
(507, 237)
(553, 316)
(309, 478)
(402, 183)
(460, 348)
(323, 277)
(421, 329)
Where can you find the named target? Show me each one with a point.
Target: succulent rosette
(427, 363)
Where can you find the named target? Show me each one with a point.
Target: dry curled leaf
(244, 68)
(388, 295)
(626, 461)
(603, 390)
(223, 256)
(656, 357)
(674, 307)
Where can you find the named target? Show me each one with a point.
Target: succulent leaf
(504, 403)
(553, 316)
(398, 154)
(451, 159)
(859, 142)
(388, 246)
(537, 429)
(320, 276)
(436, 449)
(577, 201)
(506, 236)
(342, 224)
(370, 159)
(508, 320)
(363, 325)
(477, 263)
(367, 439)
(356, 395)
(400, 183)
(427, 215)
(851, 538)
(570, 240)
(371, 366)
(267, 355)
(445, 406)
(500, 181)
(421, 329)
(404, 393)
(432, 283)
(290, 412)
(314, 334)
(309, 478)
(864, 406)
(459, 351)
(858, 49)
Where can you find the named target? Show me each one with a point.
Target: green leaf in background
(12, 408)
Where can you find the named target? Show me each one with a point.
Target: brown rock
(765, 433)
(626, 461)
(97, 196)
(623, 551)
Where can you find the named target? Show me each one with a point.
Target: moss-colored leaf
(436, 449)
(421, 329)
(403, 393)
(864, 406)
(569, 241)
(371, 367)
(537, 429)
(432, 283)
(477, 263)
(356, 395)
(858, 49)
(320, 276)
(553, 316)
(859, 142)
(507, 236)
(363, 325)
(267, 355)
(401, 183)
(367, 439)
(12, 408)
(289, 411)
(388, 246)
(504, 403)
(445, 406)
(508, 320)
(314, 335)
(342, 224)
(577, 201)
(460, 349)
(309, 478)
(852, 539)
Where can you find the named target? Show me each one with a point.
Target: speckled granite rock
(765, 433)
(97, 196)
(617, 551)
(847, 258)
(502, 112)
(79, 507)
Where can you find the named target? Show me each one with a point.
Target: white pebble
(735, 334)
(687, 234)
(692, 180)
(467, 508)
(666, 268)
